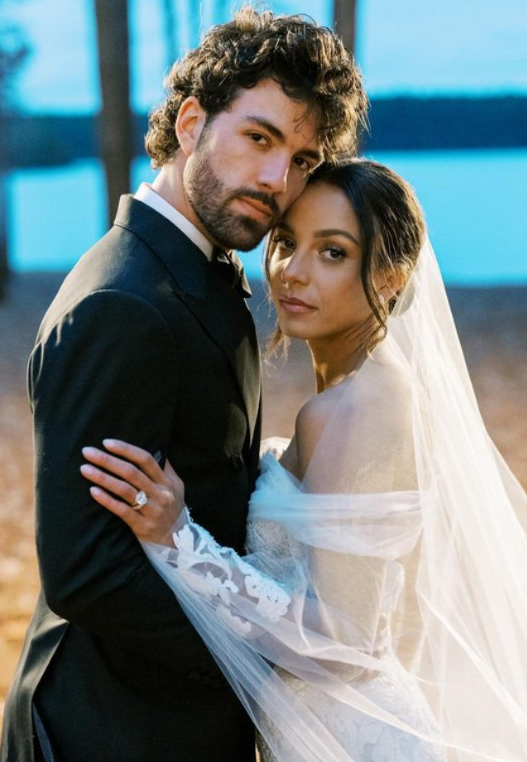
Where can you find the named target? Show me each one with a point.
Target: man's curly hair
(308, 61)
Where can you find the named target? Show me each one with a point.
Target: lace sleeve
(292, 615)
(220, 576)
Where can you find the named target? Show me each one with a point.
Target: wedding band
(141, 499)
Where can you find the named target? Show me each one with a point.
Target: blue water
(475, 203)
(467, 46)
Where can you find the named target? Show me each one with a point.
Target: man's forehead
(285, 117)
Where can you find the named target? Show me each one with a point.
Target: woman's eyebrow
(335, 231)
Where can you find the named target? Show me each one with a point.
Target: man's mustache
(264, 198)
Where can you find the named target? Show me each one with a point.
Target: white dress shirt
(147, 195)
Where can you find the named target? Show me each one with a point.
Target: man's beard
(211, 199)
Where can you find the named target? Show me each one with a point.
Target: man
(149, 340)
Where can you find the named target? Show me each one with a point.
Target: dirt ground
(493, 329)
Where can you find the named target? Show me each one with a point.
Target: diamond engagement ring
(141, 499)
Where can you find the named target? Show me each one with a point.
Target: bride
(380, 614)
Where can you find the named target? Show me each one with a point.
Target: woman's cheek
(274, 277)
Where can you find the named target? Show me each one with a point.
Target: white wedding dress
(227, 581)
(364, 738)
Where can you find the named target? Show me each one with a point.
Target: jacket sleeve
(107, 368)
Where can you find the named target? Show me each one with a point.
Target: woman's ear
(190, 121)
(389, 284)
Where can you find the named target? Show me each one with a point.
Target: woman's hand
(128, 472)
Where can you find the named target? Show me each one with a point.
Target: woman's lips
(296, 306)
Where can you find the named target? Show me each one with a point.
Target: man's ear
(190, 121)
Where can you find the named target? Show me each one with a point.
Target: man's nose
(274, 172)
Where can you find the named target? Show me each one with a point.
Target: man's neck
(169, 185)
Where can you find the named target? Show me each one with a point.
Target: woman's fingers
(142, 458)
(142, 526)
(153, 522)
(160, 498)
(123, 510)
(121, 468)
(147, 528)
(117, 486)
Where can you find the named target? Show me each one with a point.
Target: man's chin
(247, 245)
(246, 236)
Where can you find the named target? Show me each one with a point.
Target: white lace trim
(211, 570)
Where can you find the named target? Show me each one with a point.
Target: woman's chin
(303, 326)
(290, 332)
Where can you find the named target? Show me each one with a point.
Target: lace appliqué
(216, 572)
(365, 739)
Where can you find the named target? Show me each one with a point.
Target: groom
(149, 340)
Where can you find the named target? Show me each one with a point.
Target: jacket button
(237, 462)
(194, 675)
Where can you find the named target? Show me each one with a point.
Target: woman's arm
(179, 549)
(339, 612)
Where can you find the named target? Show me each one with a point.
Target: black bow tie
(230, 267)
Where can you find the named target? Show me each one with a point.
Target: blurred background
(448, 87)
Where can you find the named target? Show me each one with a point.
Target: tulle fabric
(403, 545)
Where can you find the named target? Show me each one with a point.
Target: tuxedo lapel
(227, 320)
(222, 312)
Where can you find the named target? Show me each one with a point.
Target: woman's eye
(281, 242)
(333, 253)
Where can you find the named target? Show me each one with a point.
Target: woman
(381, 612)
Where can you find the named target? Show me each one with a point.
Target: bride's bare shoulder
(310, 423)
(376, 398)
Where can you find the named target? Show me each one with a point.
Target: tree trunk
(116, 123)
(4, 262)
(169, 23)
(345, 21)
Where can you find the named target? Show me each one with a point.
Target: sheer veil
(404, 553)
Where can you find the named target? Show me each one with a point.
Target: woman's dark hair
(309, 62)
(392, 229)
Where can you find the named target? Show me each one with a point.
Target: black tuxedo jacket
(148, 343)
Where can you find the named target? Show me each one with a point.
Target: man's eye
(257, 138)
(303, 164)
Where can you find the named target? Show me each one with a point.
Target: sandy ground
(493, 329)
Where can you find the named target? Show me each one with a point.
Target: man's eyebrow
(335, 231)
(277, 133)
(267, 125)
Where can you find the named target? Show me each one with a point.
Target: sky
(404, 46)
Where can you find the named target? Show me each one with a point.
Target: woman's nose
(295, 269)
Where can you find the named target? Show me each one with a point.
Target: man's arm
(107, 369)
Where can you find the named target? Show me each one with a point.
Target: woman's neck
(336, 357)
